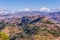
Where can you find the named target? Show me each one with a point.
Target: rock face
(31, 28)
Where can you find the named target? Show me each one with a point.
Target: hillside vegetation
(30, 28)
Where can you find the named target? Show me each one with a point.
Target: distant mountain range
(51, 14)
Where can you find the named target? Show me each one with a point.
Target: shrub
(49, 22)
(36, 30)
(4, 36)
(54, 33)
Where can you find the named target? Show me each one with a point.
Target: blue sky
(32, 4)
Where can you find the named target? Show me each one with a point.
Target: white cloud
(3, 12)
(25, 9)
(57, 9)
(44, 9)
